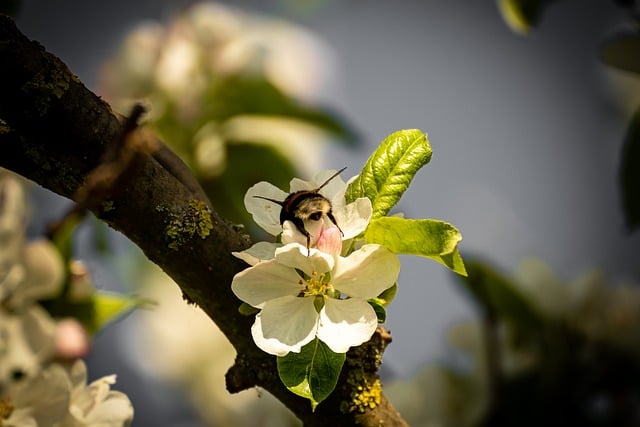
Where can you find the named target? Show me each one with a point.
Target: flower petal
(45, 270)
(291, 234)
(298, 184)
(264, 212)
(354, 218)
(367, 272)
(261, 251)
(285, 324)
(265, 281)
(114, 410)
(330, 190)
(346, 323)
(294, 255)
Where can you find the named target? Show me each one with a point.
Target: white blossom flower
(306, 295)
(41, 400)
(13, 214)
(261, 251)
(26, 342)
(96, 404)
(352, 219)
(28, 271)
(37, 274)
(60, 397)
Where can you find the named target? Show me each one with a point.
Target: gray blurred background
(526, 134)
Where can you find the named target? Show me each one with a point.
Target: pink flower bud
(71, 339)
(330, 240)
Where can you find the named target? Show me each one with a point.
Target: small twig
(107, 177)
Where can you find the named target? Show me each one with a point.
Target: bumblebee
(304, 205)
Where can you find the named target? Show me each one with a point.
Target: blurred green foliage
(630, 172)
(543, 353)
(232, 94)
(621, 51)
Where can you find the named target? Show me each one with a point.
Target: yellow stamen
(317, 284)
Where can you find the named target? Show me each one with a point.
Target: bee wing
(265, 212)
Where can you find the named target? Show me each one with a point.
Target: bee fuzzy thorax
(309, 206)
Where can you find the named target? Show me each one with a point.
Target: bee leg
(300, 226)
(333, 220)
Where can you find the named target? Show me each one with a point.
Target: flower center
(317, 284)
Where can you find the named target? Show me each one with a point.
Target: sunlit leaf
(106, 307)
(429, 238)
(389, 170)
(313, 373)
(98, 310)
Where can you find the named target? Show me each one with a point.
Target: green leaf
(623, 52)
(100, 309)
(500, 296)
(97, 310)
(454, 261)
(228, 97)
(247, 310)
(385, 298)
(108, 306)
(381, 312)
(62, 235)
(389, 171)
(313, 373)
(630, 173)
(522, 15)
(429, 238)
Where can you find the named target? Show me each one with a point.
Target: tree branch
(59, 134)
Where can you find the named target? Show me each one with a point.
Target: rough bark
(56, 132)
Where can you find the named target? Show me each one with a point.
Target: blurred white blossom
(588, 305)
(597, 319)
(29, 271)
(95, 404)
(35, 390)
(26, 342)
(203, 76)
(58, 396)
